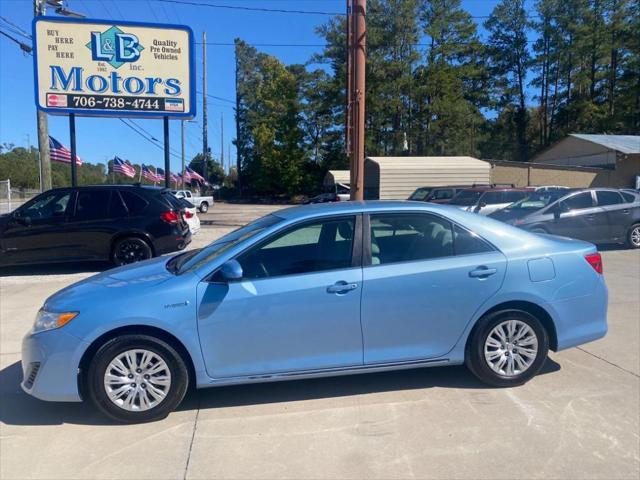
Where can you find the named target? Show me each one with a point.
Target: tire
(130, 250)
(130, 407)
(204, 207)
(633, 236)
(480, 366)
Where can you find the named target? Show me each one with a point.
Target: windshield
(536, 201)
(466, 197)
(420, 194)
(185, 262)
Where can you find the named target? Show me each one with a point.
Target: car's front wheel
(507, 348)
(204, 207)
(137, 378)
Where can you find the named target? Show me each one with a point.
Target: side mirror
(26, 221)
(231, 271)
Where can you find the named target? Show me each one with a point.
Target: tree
(215, 172)
(510, 60)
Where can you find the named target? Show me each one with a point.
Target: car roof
(500, 188)
(350, 207)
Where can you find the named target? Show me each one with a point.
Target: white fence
(11, 198)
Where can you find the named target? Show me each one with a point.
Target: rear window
(608, 198)
(134, 202)
(629, 197)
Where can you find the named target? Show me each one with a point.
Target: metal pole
(349, 86)
(205, 140)
(72, 141)
(167, 160)
(43, 126)
(360, 46)
(222, 140)
(238, 139)
(182, 141)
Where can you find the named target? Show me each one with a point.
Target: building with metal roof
(620, 153)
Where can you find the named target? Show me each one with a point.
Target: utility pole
(182, 144)
(222, 140)
(238, 140)
(349, 73)
(359, 46)
(205, 140)
(43, 126)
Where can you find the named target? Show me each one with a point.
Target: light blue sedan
(320, 290)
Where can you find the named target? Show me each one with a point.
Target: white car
(190, 215)
(201, 202)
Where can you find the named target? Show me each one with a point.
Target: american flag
(194, 175)
(175, 178)
(123, 167)
(187, 176)
(150, 174)
(60, 153)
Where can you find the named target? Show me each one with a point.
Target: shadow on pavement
(18, 408)
(54, 269)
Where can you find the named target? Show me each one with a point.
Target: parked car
(487, 199)
(318, 290)
(420, 194)
(120, 223)
(444, 195)
(598, 215)
(190, 215)
(202, 202)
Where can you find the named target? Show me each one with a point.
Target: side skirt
(329, 372)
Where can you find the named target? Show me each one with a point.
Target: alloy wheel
(511, 348)
(131, 252)
(635, 236)
(137, 380)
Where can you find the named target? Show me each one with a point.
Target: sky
(99, 139)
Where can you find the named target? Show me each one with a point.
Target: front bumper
(50, 363)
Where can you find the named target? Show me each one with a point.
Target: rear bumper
(50, 365)
(172, 242)
(581, 319)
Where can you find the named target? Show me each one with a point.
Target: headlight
(50, 320)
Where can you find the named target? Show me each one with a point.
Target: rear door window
(578, 202)
(117, 208)
(134, 202)
(466, 242)
(629, 197)
(92, 204)
(606, 197)
(409, 237)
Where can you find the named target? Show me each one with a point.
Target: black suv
(120, 223)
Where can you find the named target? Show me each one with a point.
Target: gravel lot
(578, 419)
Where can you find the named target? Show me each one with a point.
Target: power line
(218, 98)
(16, 28)
(252, 9)
(150, 140)
(23, 46)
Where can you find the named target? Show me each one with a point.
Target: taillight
(188, 214)
(169, 216)
(337, 198)
(595, 260)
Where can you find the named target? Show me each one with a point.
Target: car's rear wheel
(633, 237)
(204, 207)
(130, 250)
(507, 348)
(137, 378)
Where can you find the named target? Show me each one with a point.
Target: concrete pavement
(580, 418)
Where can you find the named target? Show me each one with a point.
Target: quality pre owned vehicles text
(319, 290)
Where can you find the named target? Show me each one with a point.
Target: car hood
(110, 283)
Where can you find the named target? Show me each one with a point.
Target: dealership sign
(95, 67)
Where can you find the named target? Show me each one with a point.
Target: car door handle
(342, 287)
(482, 272)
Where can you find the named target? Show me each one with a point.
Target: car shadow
(54, 269)
(18, 408)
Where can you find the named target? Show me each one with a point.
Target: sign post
(105, 68)
(72, 141)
